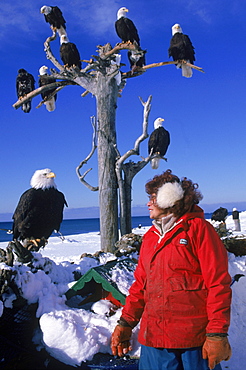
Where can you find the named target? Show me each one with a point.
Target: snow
(73, 334)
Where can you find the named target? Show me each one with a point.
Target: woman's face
(155, 212)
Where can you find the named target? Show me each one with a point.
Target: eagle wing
(55, 18)
(69, 54)
(159, 141)
(46, 80)
(25, 83)
(189, 49)
(23, 213)
(38, 213)
(126, 30)
(181, 48)
(59, 19)
(219, 214)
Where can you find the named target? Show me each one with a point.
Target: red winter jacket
(182, 286)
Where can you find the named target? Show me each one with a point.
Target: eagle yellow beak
(50, 175)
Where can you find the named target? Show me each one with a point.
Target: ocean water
(79, 226)
(73, 227)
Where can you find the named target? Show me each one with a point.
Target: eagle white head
(43, 179)
(122, 12)
(176, 29)
(43, 70)
(45, 9)
(158, 122)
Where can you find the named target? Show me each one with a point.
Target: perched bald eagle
(46, 79)
(219, 214)
(181, 48)
(40, 210)
(53, 16)
(25, 83)
(159, 141)
(127, 32)
(69, 53)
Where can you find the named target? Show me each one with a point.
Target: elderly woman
(181, 290)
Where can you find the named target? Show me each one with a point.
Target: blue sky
(205, 115)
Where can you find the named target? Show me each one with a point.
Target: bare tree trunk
(128, 195)
(107, 91)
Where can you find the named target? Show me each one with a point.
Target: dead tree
(129, 170)
(100, 77)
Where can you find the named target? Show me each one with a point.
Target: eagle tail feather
(61, 31)
(186, 71)
(155, 163)
(26, 107)
(50, 105)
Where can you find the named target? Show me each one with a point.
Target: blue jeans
(173, 359)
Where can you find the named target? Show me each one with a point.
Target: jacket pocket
(188, 296)
(188, 282)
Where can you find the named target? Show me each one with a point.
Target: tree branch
(40, 90)
(50, 96)
(80, 77)
(49, 53)
(142, 137)
(94, 146)
(173, 62)
(106, 51)
(159, 64)
(130, 169)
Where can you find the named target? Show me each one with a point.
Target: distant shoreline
(137, 211)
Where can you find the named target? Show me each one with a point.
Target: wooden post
(106, 95)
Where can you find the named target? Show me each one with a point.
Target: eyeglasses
(152, 198)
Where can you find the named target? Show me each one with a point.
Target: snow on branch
(94, 146)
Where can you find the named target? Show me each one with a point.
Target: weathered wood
(130, 169)
(159, 64)
(107, 91)
(153, 65)
(94, 146)
(40, 90)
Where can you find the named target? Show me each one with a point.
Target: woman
(182, 289)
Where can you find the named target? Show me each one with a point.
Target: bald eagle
(53, 16)
(46, 79)
(39, 211)
(219, 214)
(181, 48)
(69, 53)
(159, 141)
(25, 83)
(127, 32)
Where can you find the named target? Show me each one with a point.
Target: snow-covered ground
(73, 335)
